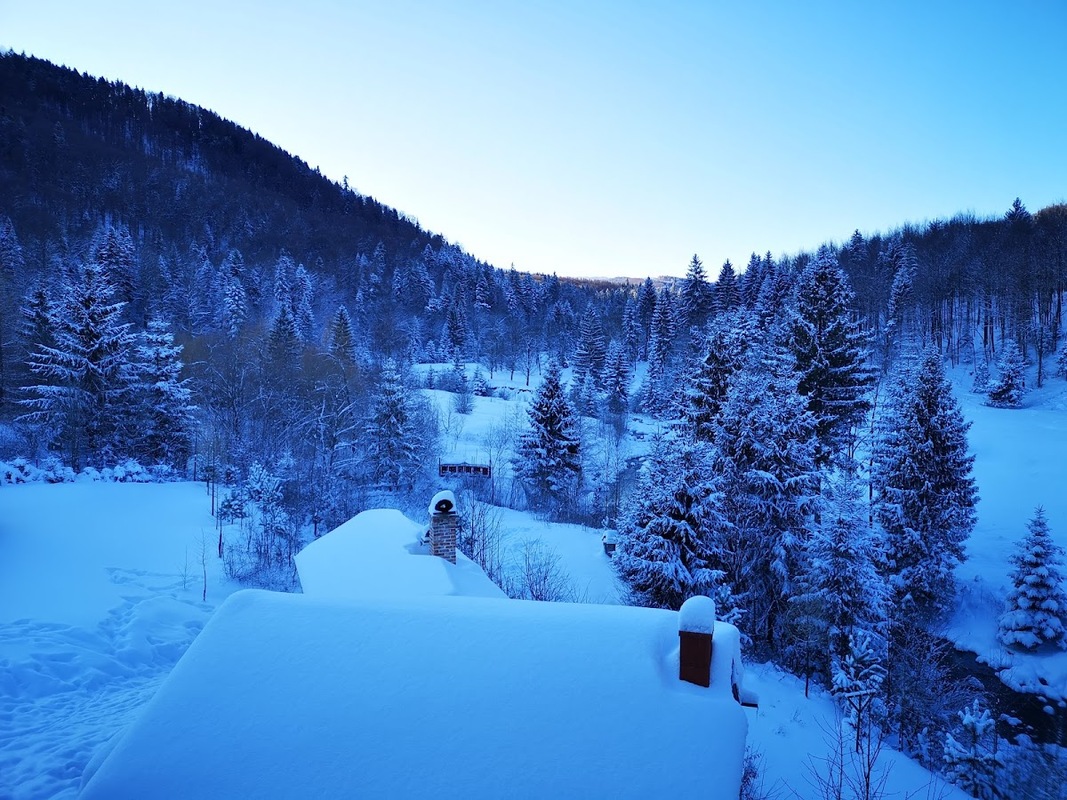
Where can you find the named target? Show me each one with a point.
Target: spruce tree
(234, 307)
(591, 352)
(86, 375)
(971, 757)
(727, 290)
(830, 354)
(659, 385)
(342, 343)
(300, 304)
(164, 407)
(765, 459)
(646, 309)
(547, 458)
(925, 495)
(751, 280)
(841, 582)
(696, 300)
(617, 376)
(1037, 603)
(113, 250)
(12, 266)
(631, 330)
(1010, 387)
(665, 553)
(726, 345)
(392, 439)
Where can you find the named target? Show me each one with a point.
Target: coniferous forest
(178, 292)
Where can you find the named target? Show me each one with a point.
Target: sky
(600, 138)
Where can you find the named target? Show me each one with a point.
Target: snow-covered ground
(101, 591)
(1019, 465)
(101, 585)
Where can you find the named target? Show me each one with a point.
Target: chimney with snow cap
(444, 523)
(696, 627)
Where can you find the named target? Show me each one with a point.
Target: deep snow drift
(100, 594)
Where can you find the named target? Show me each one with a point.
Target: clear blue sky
(616, 138)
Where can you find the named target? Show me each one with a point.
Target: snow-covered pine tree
(971, 757)
(765, 459)
(457, 332)
(617, 378)
(1010, 387)
(906, 265)
(86, 375)
(548, 460)
(696, 299)
(283, 341)
(113, 250)
(591, 351)
(842, 584)
(981, 377)
(1037, 603)
(301, 303)
(234, 307)
(858, 677)
(666, 552)
(631, 330)
(342, 342)
(750, 281)
(12, 266)
(1061, 362)
(164, 409)
(646, 309)
(727, 290)
(659, 386)
(38, 328)
(830, 352)
(728, 339)
(392, 440)
(925, 495)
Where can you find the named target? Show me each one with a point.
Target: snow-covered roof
(298, 696)
(375, 555)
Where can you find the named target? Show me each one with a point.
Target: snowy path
(94, 612)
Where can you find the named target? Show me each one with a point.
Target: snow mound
(697, 615)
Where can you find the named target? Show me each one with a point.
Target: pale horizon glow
(616, 138)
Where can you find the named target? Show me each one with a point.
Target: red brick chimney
(696, 628)
(444, 523)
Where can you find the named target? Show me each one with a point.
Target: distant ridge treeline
(75, 149)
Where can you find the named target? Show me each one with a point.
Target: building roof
(376, 554)
(383, 681)
(293, 696)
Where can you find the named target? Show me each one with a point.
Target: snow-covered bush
(22, 471)
(52, 470)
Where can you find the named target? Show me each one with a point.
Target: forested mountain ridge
(77, 149)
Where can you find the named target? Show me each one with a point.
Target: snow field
(100, 594)
(1019, 465)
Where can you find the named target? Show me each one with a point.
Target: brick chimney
(696, 628)
(444, 524)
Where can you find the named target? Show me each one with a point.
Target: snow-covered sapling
(1008, 391)
(1037, 602)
